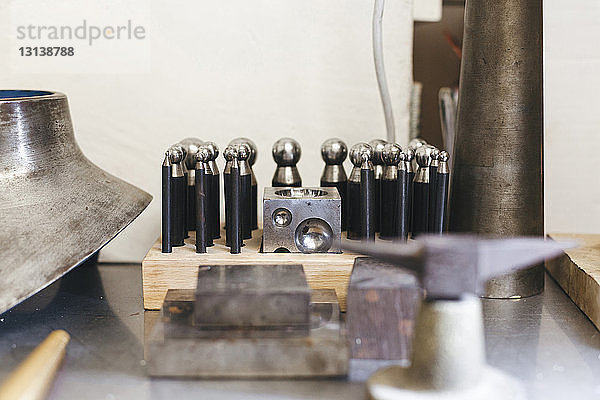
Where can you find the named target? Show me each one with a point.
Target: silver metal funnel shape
(57, 208)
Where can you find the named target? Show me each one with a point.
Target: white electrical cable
(380, 70)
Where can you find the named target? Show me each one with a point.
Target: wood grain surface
(578, 273)
(179, 269)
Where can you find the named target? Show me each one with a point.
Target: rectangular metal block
(251, 296)
(383, 302)
(178, 313)
(178, 319)
(321, 352)
(290, 214)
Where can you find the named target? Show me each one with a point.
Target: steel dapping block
(497, 175)
(167, 205)
(378, 164)
(302, 220)
(214, 201)
(251, 296)
(383, 301)
(251, 162)
(334, 152)
(243, 151)
(178, 187)
(389, 196)
(190, 146)
(286, 153)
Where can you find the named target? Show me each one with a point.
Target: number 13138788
(55, 51)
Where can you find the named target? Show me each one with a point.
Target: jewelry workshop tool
(448, 357)
(167, 205)
(190, 145)
(389, 191)
(378, 163)
(178, 185)
(334, 152)
(497, 162)
(57, 207)
(443, 181)
(251, 162)
(234, 223)
(403, 203)
(286, 153)
(421, 192)
(214, 201)
(243, 152)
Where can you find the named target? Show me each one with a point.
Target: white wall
(572, 116)
(221, 69)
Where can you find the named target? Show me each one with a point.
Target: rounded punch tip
(203, 154)
(334, 151)
(444, 156)
(176, 154)
(253, 148)
(423, 155)
(190, 145)
(243, 151)
(377, 145)
(286, 152)
(416, 143)
(435, 153)
(391, 154)
(230, 153)
(213, 150)
(360, 153)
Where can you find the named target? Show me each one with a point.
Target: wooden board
(178, 270)
(578, 273)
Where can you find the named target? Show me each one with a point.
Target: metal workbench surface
(545, 341)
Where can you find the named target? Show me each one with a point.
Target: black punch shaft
(410, 193)
(420, 208)
(367, 204)
(432, 197)
(215, 202)
(388, 208)
(191, 207)
(185, 205)
(246, 200)
(178, 199)
(201, 211)
(443, 180)
(254, 205)
(234, 225)
(402, 206)
(167, 208)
